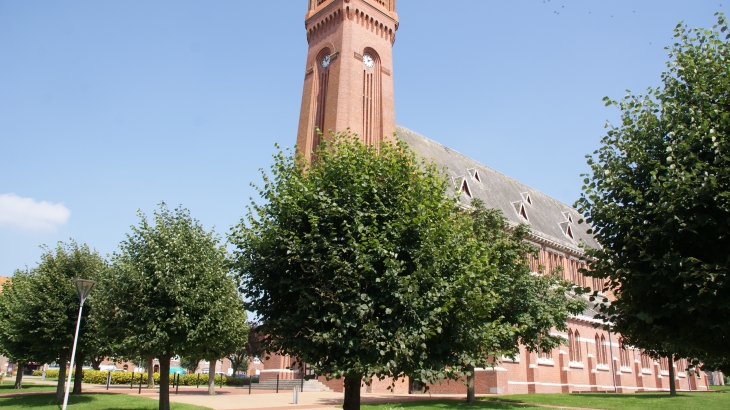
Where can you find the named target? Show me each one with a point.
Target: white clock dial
(368, 60)
(326, 61)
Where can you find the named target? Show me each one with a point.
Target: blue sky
(109, 107)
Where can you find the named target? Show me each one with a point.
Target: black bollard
(131, 385)
(108, 379)
(277, 383)
(141, 377)
(198, 381)
(178, 384)
(249, 384)
(221, 381)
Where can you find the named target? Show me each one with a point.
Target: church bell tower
(348, 82)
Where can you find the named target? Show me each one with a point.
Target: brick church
(348, 83)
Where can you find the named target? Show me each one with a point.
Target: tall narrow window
(322, 85)
(576, 344)
(624, 353)
(571, 343)
(604, 354)
(372, 124)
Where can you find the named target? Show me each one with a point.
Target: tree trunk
(352, 393)
(60, 387)
(19, 367)
(672, 386)
(96, 362)
(211, 377)
(150, 372)
(79, 374)
(164, 382)
(470, 384)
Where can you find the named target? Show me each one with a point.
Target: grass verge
(629, 401)
(637, 401)
(7, 387)
(443, 405)
(89, 402)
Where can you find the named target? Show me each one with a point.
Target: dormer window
(526, 197)
(465, 188)
(474, 174)
(568, 217)
(521, 210)
(567, 225)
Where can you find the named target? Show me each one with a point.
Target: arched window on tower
(372, 107)
(321, 86)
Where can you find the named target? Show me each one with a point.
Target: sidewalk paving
(231, 398)
(238, 398)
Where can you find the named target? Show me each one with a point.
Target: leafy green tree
(493, 317)
(659, 200)
(223, 329)
(168, 293)
(46, 321)
(15, 322)
(350, 263)
(190, 363)
(239, 361)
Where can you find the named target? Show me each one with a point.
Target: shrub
(50, 374)
(238, 381)
(99, 377)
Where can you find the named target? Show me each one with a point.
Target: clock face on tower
(367, 59)
(326, 61)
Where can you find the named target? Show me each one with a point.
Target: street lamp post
(83, 288)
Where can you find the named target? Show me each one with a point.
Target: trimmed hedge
(99, 377)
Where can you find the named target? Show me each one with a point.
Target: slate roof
(548, 217)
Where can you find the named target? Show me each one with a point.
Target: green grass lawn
(7, 387)
(630, 401)
(88, 402)
(721, 388)
(442, 405)
(637, 401)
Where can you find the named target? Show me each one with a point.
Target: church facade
(348, 83)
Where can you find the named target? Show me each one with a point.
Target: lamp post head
(83, 288)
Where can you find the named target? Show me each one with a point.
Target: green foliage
(350, 261)
(41, 306)
(16, 318)
(659, 200)
(516, 307)
(99, 377)
(168, 293)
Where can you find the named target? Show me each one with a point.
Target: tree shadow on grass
(450, 404)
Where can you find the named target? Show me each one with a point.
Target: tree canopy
(658, 197)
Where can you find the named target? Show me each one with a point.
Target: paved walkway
(238, 398)
(229, 398)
